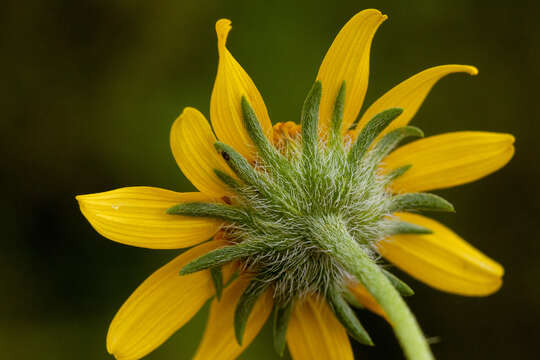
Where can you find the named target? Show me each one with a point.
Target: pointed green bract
(368, 134)
(282, 315)
(217, 258)
(245, 306)
(253, 178)
(347, 317)
(420, 202)
(240, 166)
(403, 227)
(403, 289)
(310, 121)
(336, 138)
(266, 151)
(394, 174)
(228, 180)
(390, 141)
(217, 278)
(210, 210)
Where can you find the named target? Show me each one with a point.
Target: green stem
(331, 233)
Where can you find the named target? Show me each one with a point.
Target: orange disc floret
(285, 132)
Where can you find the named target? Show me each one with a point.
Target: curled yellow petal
(232, 82)
(219, 341)
(366, 299)
(442, 260)
(409, 95)
(136, 216)
(161, 305)
(348, 60)
(449, 159)
(315, 333)
(192, 144)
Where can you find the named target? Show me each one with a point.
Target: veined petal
(409, 95)
(232, 82)
(219, 341)
(136, 216)
(449, 159)
(442, 260)
(192, 144)
(348, 60)
(366, 299)
(315, 333)
(161, 305)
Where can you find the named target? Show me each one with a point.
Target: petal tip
(511, 139)
(188, 110)
(371, 12)
(455, 68)
(223, 26)
(374, 13)
(498, 270)
(112, 348)
(109, 343)
(496, 287)
(82, 198)
(471, 70)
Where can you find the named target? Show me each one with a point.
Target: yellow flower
(294, 278)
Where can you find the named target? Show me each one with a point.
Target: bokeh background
(91, 88)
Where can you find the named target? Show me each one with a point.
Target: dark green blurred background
(91, 88)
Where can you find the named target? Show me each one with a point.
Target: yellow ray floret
(219, 341)
(232, 82)
(450, 159)
(136, 216)
(409, 95)
(315, 333)
(192, 144)
(348, 60)
(442, 259)
(161, 305)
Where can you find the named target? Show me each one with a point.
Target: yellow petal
(315, 333)
(192, 144)
(409, 95)
(449, 159)
(232, 82)
(442, 260)
(366, 299)
(161, 305)
(219, 341)
(348, 60)
(136, 216)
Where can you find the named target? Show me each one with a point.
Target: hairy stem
(332, 235)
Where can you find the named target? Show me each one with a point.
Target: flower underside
(292, 200)
(300, 213)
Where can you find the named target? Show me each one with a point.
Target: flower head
(298, 215)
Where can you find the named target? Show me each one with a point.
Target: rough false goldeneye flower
(299, 215)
